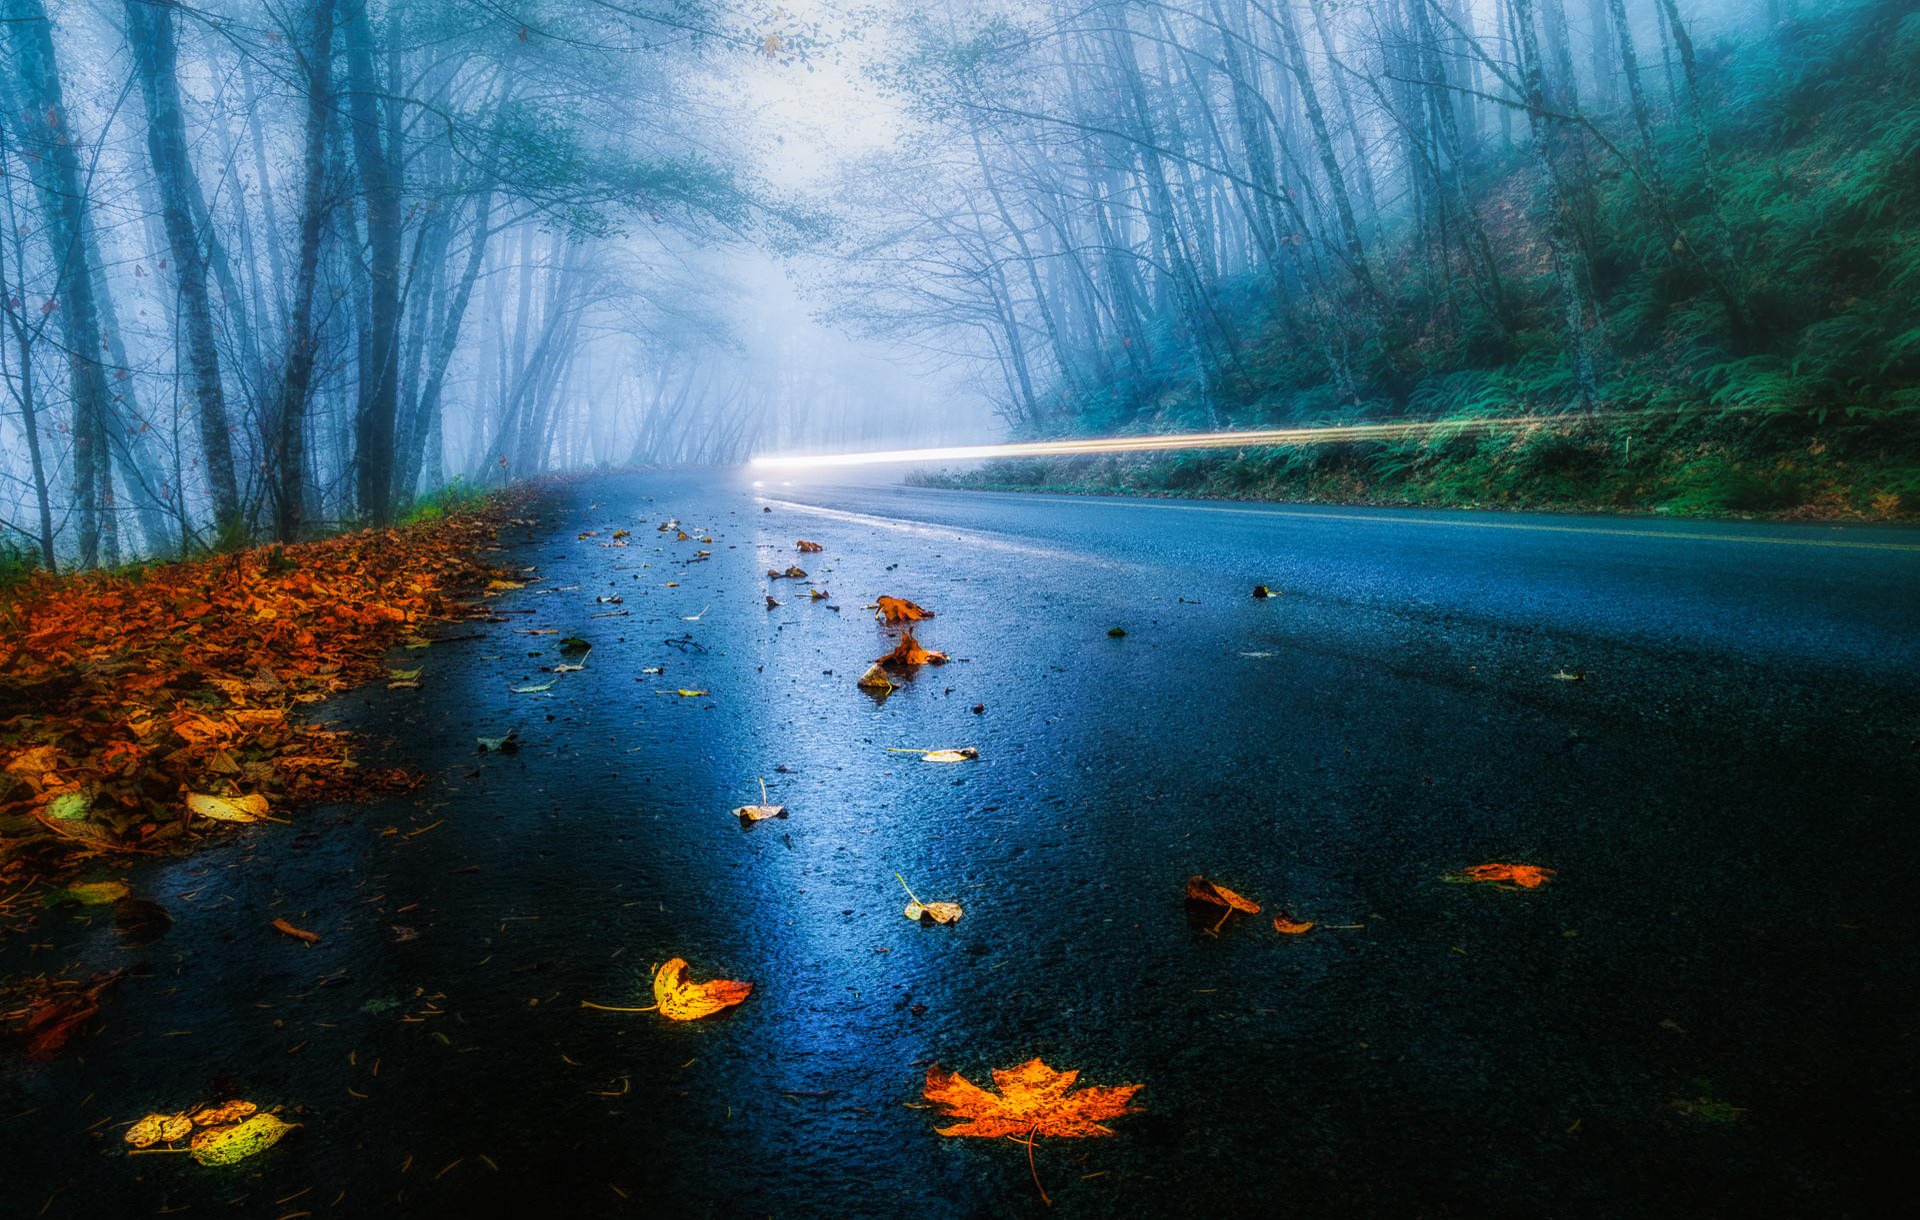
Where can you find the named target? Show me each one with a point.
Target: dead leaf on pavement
(680, 1000)
(928, 912)
(228, 809)
(159, 1129)
(228, 1145)
(300, 934)
(1033, 1100)
(963, 754)
(875, 678)
(809, 548)
(793, 572)
(762, 811)
(1505, 876)
(1288, 926)
(1262, 591)
(1202, 891)
(908, 653)
(897, 610)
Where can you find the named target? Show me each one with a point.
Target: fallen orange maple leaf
(1203, 891)
(680, 1000)
(1033, 1100)
(897, 610)
(809, 548)
(908, 652)
(1525, 876)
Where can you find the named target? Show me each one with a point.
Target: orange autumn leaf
(300, 934)
(896, 610)
(1033, 1100)
(1524, 876)
(680, 1000)
(908, 653)
(809, 548)
(1205, 892)
(1290, 927)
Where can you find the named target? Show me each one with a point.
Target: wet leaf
(1261, 591)
(502, 586)
(228, 809)
(875, 678)
(690, 694)
(772, 604)
(225, 1112)
(300, 934)
(534, 689)
(1510, 876)
(509, 744)
(1577, 675)
(403, 675)
(908, 653)
(574, 643)
(809, 548)
(91, 893)
(897, 610)
(1200, 890)
(793, 572)
(680, 1000)
(963, 754)
(1033, 1100)
(928, 912)
(1289, 926)
(229, 1145)
(1116, 632)
(159, 1129)
(69, 806)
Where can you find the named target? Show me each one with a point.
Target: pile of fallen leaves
(126, 692)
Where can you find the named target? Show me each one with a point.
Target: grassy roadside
(1699, 468)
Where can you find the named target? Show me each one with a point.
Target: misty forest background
(273, 267)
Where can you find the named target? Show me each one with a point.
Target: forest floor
(146, 705)
(1559, 466)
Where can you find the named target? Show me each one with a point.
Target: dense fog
(274, 267)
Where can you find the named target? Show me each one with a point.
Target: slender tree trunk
(151, 41)
(302, 343)
(378, 161)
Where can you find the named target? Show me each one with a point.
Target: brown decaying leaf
(680, 1000)
(809, 548)
(1289, 926)
(762, 811)
(1205, 892)
(896, 610)
(793, 572)
(159, 1129)
(928, 912)
(300, 934)
(875, 678)
(1033, 1100)
(1521, 876)
(908, 653)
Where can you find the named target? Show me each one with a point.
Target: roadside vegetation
(1702, 286)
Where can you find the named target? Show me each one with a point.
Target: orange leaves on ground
(1033, 1100)
(1512, 876)
(908, 653)
(680, 1000)
(809, 548)
(1205, 893)
(132, 688)
(794, 572)
(222, 1134)
(1286, 925)
(300, 934)
(894, 611)
(928, 912)
(749, 814)
(47, 1013)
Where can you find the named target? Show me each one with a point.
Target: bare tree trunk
(297, 375)
(378, 161)
(150, 39)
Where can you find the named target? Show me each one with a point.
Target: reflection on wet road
(1708, 1009)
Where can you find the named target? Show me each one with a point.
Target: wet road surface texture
(1709, 1010)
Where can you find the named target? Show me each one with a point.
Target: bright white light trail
(1390, 430)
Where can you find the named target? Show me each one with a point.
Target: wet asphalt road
(1709, 1011)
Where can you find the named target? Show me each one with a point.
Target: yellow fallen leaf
(158, 1129)
(1291, 927)
(228, 809)
(875, 678)
(229, 1145)
(680, 1000)
(1205, 892)
(224, 1113)
(929, 912)
(690, 694)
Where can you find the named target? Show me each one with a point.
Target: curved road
(1708, 1010)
